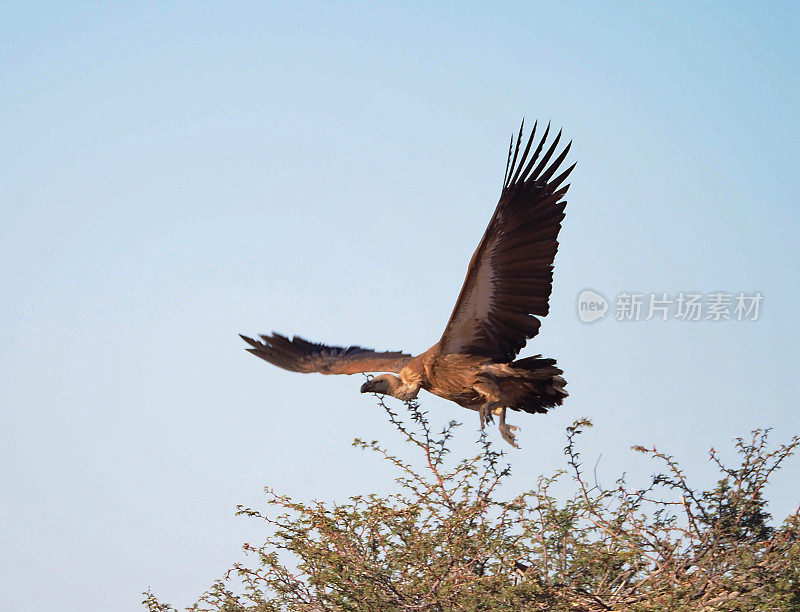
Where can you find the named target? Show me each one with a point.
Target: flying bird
(505, 294)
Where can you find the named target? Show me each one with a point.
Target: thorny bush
(444, 542)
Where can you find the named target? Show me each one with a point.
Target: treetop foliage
(446, 541)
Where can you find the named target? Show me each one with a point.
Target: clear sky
(173, 174)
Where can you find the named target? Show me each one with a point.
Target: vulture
(504, 296)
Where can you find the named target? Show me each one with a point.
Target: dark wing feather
(510, 275)
(298, 355)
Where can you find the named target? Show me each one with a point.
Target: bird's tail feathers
(545, 384)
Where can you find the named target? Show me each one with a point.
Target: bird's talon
(485, 415)
(505, 431)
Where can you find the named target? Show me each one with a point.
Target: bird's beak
(365, 388)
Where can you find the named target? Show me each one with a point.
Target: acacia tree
(446, 542)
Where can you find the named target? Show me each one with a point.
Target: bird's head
(383, 384)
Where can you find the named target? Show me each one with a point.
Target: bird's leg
(485, 413)
(491, 400)
(505, 430)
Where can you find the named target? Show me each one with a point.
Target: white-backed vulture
(507, 289)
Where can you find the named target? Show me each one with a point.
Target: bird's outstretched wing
(298, 355)
(510, 276)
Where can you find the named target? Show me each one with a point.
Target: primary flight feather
(506, 291)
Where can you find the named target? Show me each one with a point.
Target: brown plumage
(508, 285)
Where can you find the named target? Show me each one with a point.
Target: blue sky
(174, 174)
